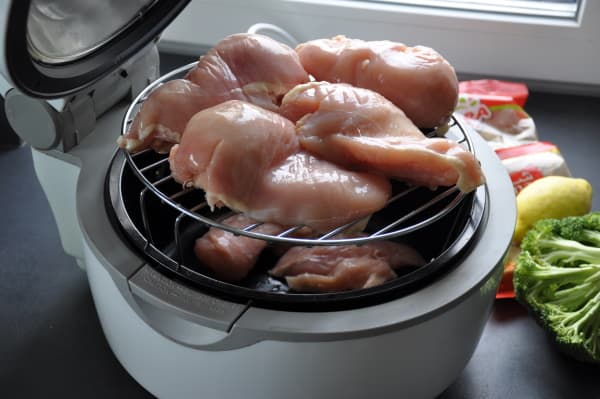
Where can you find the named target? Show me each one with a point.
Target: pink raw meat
(247, 158)
(248, 67)
(229, 256)
(359, 129)
(256, 68)
(416, 79)
(344, 267)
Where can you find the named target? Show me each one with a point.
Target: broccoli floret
(557, 277)
(565, 242)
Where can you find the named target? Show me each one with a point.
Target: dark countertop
(52, 345)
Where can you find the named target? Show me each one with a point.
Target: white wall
(520, 47)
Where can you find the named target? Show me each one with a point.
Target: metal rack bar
(182, 193)
(161, 181)
(154, 165)
(252, 226)
(137, 154)
(289, 231)
(144, 212)
(416, 211)
(177, 231)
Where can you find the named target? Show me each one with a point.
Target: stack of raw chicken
(307, 137)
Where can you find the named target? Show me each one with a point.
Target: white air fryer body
(418, 361)
(271, 353)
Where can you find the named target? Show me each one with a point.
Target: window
(555, 43)
(566, 9)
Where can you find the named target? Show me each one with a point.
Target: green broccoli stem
(582, 323)
(591, 236)
(561, 274)
(562, 250)
(573, 297)
(588, 317)
(595, 338)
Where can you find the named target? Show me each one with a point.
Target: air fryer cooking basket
(162, 220)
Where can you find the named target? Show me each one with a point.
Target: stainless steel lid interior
(56, 48)
(63, 31)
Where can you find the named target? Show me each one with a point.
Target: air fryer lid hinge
(62, 125)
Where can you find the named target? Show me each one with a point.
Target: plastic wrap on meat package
(526, 163)
(495, 110)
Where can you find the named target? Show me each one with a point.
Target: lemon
(551, 197)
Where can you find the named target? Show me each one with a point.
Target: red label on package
(473, 108)
(523, 177)
(482, 112)
(526, 149)
(493, 92)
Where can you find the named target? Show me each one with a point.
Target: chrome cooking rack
(417, 216)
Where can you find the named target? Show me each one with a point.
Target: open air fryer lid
(55, 48)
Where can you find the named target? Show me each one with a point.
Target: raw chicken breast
(416, 79)
(304, 190)
(344, 267)
(359, 129)
(246, 158)
(163, 116)
(227, 149)
(248, 67)
(232, 257)
(258, 69)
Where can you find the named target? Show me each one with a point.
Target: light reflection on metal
(59, 31)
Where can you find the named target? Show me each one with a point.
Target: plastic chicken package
(495, 110)
(526, 163)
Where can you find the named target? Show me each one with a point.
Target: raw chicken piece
(345, 267)
(246, 158)
(163, 116)
(227, 149)
(232, 257)
(304, 190)
(417, 79)
(248, 67)
(360, 129)
(258, 69)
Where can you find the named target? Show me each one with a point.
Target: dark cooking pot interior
(443, 242)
